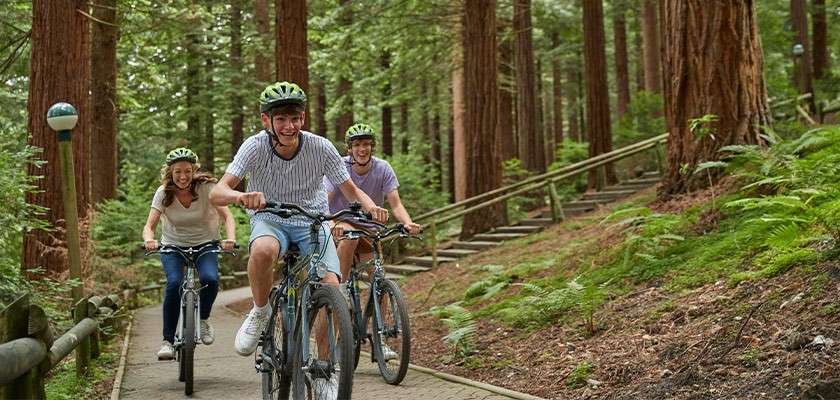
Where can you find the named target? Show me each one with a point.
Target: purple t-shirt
(376, 183)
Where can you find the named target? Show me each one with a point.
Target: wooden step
(651, 174)
(641, 181)
(585, 204)
(536, 221)
(426, 261)
(610, 195)
(475, 245)
(404, 269)
(456, 253)
(569, 212)
(518, 229)
(498, 237)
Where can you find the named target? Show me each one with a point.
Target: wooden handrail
(542, 177)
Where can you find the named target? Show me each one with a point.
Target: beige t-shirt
(188, 226)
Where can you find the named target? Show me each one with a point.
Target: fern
(461, 325)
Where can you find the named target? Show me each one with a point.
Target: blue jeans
(208, 274)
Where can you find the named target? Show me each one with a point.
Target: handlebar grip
(270, 204)
(368, 215)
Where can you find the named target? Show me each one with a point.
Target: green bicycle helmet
(359, 131)
(280, 93)
(181, 154)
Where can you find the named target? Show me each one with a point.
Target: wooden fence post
(14, 324)
(660, 165)
(433, 227)
(83, 350)
(556, 207)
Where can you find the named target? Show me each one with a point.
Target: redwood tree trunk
(344, 94)
(59, 32)
(459, 141)
(539, 149)
(505, 119)
(820, 34)
(320, 111)
(557, 70)
(639, 51)
(290, 51)
(622, 76)
(262, 62)
(387, 130)
(404, 127)
(714, 57)
(650, 35)
(237, 119)
(526, 97)
(573, 95)
(436, 136)
(597, 96)
(480, 91)
(103, 87)
(801, 64)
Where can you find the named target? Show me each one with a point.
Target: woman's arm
(230, 227)
(149, 229)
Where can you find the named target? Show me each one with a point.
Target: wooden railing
(546, 182)
(28, 351)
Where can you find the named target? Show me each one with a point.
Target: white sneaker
(166, 352)
(388, 354)
(324, 389)
(249, 333)
(208, 334)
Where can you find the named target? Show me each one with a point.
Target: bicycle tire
(276, 382)
(398, 330)
(189, 341)
(329, 298)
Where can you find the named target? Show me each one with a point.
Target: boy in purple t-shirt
(377, 179)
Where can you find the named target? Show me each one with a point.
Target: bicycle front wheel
(391, 346)
(276, 379)
(188, 347)
(326, 370)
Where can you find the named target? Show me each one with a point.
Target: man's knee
(330, 279)
(264, 251)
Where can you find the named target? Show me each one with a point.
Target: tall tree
(622, 76)
(435, 134)
(597, 96)
(192, 78)
(714, 57)
(237, 120)
(820, 34)
(526, 96)
(459, 140)
(638, 49)
(404, 127)
(483, 160)
(290, 51)
(344, 93)
(650, 36)
(59, 32)
(262, 59)
(387, 129)
(505, 120)
(207, 99)
(573, 96)
(557, 75)
(540, 149)
(320, 117)
(103, 87)
(802, 64)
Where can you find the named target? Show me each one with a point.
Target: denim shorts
(298, 236)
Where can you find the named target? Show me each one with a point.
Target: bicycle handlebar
(287, 210)
(212, 246)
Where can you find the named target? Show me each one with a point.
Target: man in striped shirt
(283, 164)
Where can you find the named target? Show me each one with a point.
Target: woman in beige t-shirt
(188, 220)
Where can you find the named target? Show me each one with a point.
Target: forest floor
(762, 338)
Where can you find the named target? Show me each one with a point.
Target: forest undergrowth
(728, 291)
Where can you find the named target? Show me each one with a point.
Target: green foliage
(577, 378)
(63, 383)
(642, 120)
(776, 262)
(420, 188)
(117, 228)
(462, 328)
(540, 306)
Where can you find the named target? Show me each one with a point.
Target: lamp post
(62, 118)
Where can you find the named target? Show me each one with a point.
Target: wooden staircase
(586, 203)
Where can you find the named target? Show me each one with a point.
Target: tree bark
(208, 163)
(526, 97)
(320, 109)
(597, 96)
(425, 129)
(262, 63)
(650, 35)
(622, 76)
(290, 51)
(436, 138)
(801, 64)
(557, 75)
(387, 129)
(820, 34)
(714, 57)
(573, 96)
(344, 94)
(540, 148)
(404, 127)
(505, 120)
(480, 98)
(237, 121)
(459, 143)
(193, 71)
(103, 87)
(59, 71)
(640, 53)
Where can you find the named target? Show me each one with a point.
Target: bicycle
(286, 362)
(186, 337)
(390, 328)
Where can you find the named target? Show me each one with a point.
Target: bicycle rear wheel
(329, 364)
(276, 379)
(392, 346)
(188, 347)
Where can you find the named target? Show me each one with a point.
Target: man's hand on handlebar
(252, 200)
(228, 244)
(379, 214)
(413, 228)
